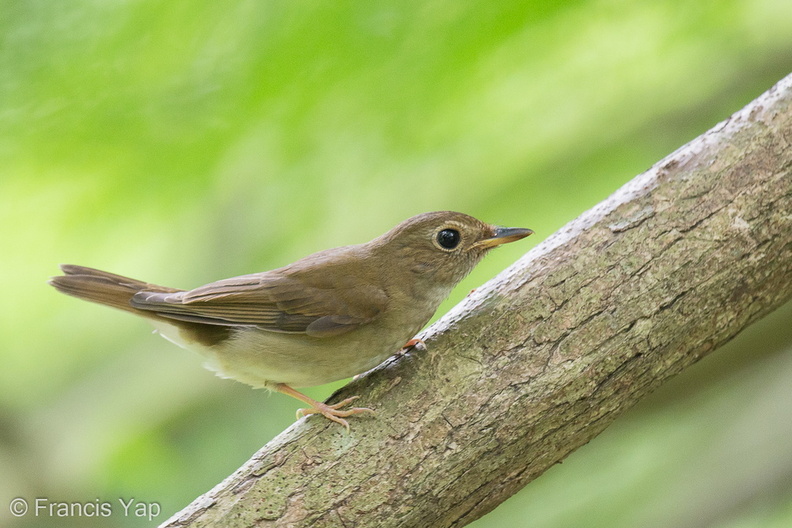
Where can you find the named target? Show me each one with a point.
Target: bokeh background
(183, 142)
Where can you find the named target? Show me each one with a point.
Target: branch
(540, 360)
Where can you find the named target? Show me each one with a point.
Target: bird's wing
(273, 301)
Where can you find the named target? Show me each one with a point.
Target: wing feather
(277, 301)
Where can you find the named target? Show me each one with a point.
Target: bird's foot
(334, 412)
(413, 343)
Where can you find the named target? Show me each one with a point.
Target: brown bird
(326, 317)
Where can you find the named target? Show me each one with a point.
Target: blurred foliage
(183, 142)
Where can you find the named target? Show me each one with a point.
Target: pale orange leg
(409, 345)
(412, 343)
(331, 412)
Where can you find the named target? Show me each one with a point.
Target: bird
(328, 316)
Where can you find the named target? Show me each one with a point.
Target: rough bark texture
(541, 359)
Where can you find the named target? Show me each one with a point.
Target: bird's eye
(448, 238)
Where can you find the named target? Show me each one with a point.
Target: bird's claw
(334, 412)
(413, 343)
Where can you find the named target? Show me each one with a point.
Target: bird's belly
(261, 358)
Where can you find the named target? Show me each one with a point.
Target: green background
(183, 142)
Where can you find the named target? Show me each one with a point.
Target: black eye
(448, 238)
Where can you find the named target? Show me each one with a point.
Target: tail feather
(116, 291)
(104, 288)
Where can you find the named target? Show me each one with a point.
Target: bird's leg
(331, 412)
(413, 343)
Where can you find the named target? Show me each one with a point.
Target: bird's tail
(104, 288)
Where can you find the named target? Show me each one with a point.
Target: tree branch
(541, 359)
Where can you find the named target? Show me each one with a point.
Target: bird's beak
(503, 235)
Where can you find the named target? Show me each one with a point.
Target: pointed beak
(503, 235)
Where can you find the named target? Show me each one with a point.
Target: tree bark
(545, 356)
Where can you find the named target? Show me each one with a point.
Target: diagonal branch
(541, 359)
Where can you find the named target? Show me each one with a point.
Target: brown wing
(275, 301)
